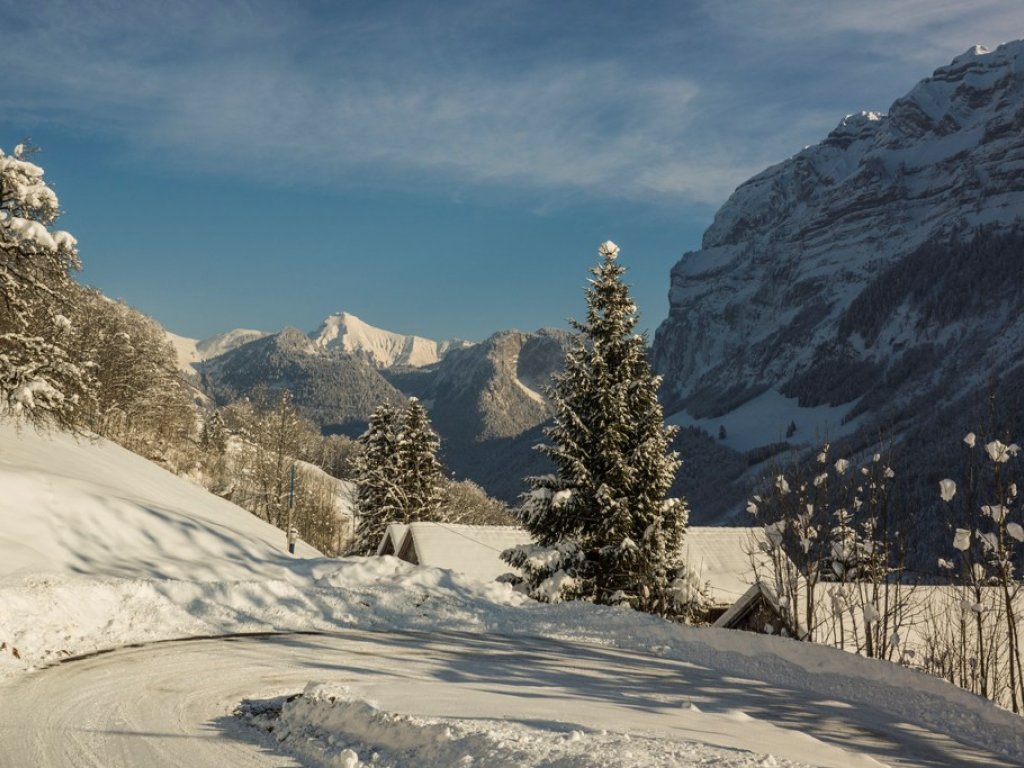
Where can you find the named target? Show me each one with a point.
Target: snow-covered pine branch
(39, 381)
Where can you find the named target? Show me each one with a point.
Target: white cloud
(253, 89)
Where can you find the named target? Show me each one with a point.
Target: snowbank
(328, 726)
(91, 507)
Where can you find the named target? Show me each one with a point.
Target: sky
(440, 168)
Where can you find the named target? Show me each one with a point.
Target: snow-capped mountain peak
(384, 349)
(194, 351)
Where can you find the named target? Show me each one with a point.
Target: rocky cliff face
(793, 248)
(872, 279)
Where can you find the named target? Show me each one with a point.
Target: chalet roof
(722, 557)
(392, 539)
(473, 550)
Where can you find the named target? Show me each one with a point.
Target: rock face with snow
(879, 271)
(492, 389)
(380, 348)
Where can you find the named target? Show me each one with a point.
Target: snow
(94, 508)
(472, 550)
(101, 549)
(391, 541)
(765, 418)
(384, 349)
(331, 725)
(722, 558)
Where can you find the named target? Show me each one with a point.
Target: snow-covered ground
(101, 549)
(766, 418)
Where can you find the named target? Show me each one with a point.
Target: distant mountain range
(382, 349)
(482, 397)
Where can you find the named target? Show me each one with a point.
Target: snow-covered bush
(251, 448)
(831, 537)
(141, 401)
(981, 647)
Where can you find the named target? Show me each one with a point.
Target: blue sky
(439, 168)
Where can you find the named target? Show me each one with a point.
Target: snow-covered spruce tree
(376, 468)
(421, 480)
(602, 527)
(398, 476)
(39, 380)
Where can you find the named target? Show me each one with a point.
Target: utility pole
(291, 505)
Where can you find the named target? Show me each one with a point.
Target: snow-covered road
(170, 704)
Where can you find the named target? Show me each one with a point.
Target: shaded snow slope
(95, 508)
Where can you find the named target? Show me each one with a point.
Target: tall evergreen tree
(398, 476)
(420, 477)
(39, 379)
(602, 527)
(376, 467)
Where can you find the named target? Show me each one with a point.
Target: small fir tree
(214, 436)
(603, 529)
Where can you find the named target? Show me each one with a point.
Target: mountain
(493, 389)
(484, 399)
(338, 391)
(380, 348)
(191, 352)
(486, 402)
(872, 284)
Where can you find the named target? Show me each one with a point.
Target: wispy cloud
(509, 95)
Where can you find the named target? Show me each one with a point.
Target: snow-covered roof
(722, 557)
(473, 550)
(391, 541)
(921, 617)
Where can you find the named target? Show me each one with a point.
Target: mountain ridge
(868, 283)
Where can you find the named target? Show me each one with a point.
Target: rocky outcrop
(877, 276)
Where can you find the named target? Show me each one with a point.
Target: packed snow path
(170, 704)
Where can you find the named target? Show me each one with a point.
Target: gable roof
(392, 539)
(722, 557)
(473, 550)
